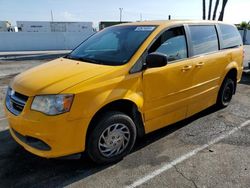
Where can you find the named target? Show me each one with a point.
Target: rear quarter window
(230, 36)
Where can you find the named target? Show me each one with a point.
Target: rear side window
(204, 39)
(230, 36)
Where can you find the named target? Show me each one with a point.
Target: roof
(172, 22)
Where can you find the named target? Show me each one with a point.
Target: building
(5, 26)
(32, 36)
(47, 27)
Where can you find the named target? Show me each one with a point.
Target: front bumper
(48, 136)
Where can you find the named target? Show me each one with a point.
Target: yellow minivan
(121, 83)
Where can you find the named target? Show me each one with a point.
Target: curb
(32, 57)
(9, 75)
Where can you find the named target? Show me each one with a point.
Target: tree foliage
(221, 15)
(244, 25)
(204, 9)
(224, 3)
(215, 9)
(210, 9)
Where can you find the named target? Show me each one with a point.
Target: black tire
(226, 93)
(104, 126)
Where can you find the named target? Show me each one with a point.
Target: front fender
(88, 102)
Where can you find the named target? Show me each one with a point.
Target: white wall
(241, 32)
(31, 41)
(247, 36)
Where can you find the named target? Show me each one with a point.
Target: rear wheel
(226, 93)
(112, 138)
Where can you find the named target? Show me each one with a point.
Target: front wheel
(226, 93)
(112, 138)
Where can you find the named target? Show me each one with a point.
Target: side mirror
(156, 60)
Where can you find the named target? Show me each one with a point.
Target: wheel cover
(114, 140)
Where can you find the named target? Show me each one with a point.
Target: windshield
(112, 46)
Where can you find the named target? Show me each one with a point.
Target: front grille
(15, 101)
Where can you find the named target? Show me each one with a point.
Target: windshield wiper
(69, 57)
(82, 59)
(88, 60)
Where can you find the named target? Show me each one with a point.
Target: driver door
(167, 89)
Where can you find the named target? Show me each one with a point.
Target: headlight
(52, 104)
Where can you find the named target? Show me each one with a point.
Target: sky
(103, 10)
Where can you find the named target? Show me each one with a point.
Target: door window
(171, 43)
(203, 39)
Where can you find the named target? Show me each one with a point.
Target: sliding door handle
(200, 64)
(186, 68)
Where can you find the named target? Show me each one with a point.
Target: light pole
(121, 9)
(52, 17)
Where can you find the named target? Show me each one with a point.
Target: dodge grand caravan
(121, 83)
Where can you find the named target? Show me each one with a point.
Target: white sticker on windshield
(145, 28)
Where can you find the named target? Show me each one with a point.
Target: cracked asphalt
(223, 164)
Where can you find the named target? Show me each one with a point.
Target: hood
(56, 76)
